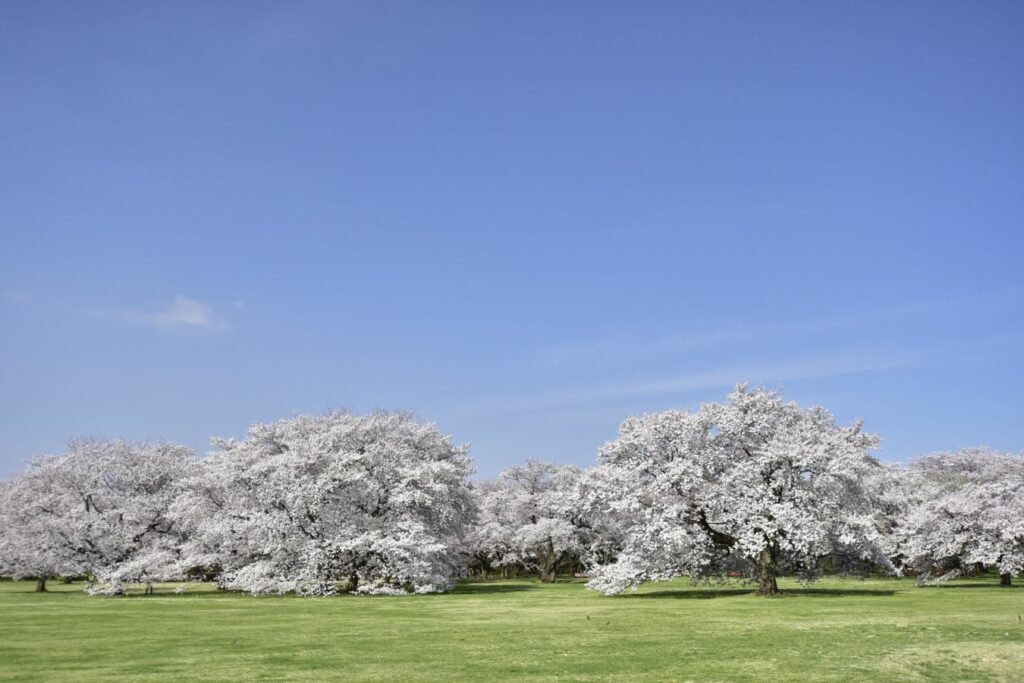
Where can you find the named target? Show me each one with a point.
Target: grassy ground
(969, 630)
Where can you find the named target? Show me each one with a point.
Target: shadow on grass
(708, 594)
(484, 588)
(993, 586)
(838, 592)
(685, 594)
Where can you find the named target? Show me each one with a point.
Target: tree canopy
(321, 504)
(753, 484)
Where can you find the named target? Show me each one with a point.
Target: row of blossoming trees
(753, 488)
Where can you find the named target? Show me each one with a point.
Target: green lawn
(837, 630)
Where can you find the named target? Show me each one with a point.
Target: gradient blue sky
(523, 221)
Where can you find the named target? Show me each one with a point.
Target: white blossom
(754, 484)
(320, 504)
(966, 508)
(530, 517)
(99, 509)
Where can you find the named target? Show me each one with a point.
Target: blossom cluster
(753, 487)
(311, 505)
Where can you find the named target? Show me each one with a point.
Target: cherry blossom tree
(98, 509)
(531, 517)
(606, 530)
(321, 504)
(29, 548)
(754, 482)
(491, 541)
(967, 508)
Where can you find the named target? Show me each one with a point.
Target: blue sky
(523, 221)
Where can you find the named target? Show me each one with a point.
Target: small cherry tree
(29, 546)
(491, 542)
(99, 509)
(531, 516)
(339, 502)
(754, 482)
(966, 508)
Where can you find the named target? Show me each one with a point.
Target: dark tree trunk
(767, 572)
(1005, 580)
(549, 561)
(41, 584)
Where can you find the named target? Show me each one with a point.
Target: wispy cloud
(719, 378)
(182, 313)
(630, 345)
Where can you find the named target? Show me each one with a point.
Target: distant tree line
(749, 489)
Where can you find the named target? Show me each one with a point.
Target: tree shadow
(709, 594)
(217, 594)
(690, 594)
(994, 586)
(484, 588)
(838, 592)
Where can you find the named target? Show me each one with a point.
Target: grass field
(968, 630)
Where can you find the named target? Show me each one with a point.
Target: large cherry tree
(966, 508)
(322, 504)
(754, 483)
(101, 509)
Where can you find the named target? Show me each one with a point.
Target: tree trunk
(41, 584)
(549, 560)
(766, 573)
(1005, 580)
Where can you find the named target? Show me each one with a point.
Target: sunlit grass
(879, 629)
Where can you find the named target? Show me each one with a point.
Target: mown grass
(877, 630)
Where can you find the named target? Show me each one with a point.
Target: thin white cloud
(725, 377)
(181, 314)
(627, 345)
